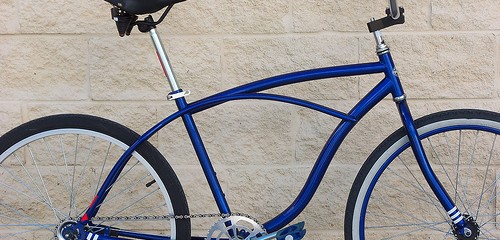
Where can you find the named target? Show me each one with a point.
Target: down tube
(324, 159)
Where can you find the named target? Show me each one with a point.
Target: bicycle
(118, 186)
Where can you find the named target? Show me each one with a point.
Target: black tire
(51, 168)
(390, 198)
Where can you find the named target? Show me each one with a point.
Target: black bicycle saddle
(142, 6)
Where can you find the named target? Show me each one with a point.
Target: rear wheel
(390, 198)
(52, 167)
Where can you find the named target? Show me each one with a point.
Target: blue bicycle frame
(390, 85)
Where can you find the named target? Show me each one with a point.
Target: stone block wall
(66, 57)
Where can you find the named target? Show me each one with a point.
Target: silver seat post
(165, 63)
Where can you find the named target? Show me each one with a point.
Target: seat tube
(204, 159)
(190, 125)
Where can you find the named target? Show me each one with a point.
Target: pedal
(294, 232)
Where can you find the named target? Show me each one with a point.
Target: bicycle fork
(461, 226)
(464, 226)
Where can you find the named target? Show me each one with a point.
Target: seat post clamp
(400, 98)
(173, 96)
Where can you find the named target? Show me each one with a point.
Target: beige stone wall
(66, 57)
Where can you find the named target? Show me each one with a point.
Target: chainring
(235, 228)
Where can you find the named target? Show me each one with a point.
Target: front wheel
(51, 169)
(390, 198)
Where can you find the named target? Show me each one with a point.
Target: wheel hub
(471, 232)
(68, 230)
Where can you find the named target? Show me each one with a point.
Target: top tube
(307, 75)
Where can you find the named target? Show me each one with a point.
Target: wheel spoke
(485, 175)
(462, 150)
(50, 177)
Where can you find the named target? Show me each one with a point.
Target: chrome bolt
(467, 232)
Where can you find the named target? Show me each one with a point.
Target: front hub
(471, 232)
(68, 230)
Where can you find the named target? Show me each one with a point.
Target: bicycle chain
(176, 217)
